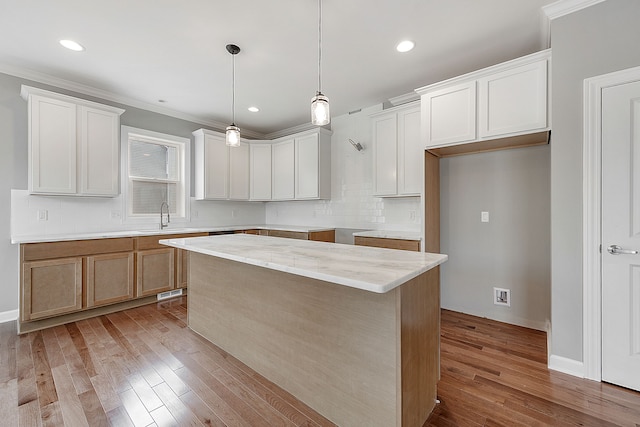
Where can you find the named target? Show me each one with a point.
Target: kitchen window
(154, 171)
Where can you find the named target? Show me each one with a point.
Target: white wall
(594, 41)
(512, 249)
(352, 203)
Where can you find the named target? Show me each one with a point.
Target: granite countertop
(372, 269)
(389, 234)
(170, 230)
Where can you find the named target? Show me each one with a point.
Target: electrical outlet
(115, 215)
(412, 215)
(502, 296)
(484, 216)
(234, 213)
(194, 214)
(43, 215)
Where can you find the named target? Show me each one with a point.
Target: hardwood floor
(495, 374)
(144, 367)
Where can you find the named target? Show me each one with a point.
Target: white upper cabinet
(260, 171)
(74, 145)
(450, 114)
(294, 167)
(501, 101)
(239, 172)
(312, 166)
(221, 172)
(514, 100)
(283, 156)
(397, 152)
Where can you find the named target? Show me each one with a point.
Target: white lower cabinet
(397, 152)
(74, 145)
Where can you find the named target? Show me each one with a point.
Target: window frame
(183, 146)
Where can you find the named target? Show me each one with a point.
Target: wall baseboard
(8, 316)
(567, 366)
(512, 320)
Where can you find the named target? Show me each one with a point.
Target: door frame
(592, 218)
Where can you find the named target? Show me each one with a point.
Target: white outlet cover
(484, 216)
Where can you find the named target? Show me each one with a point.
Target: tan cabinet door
(155, 271)
(51, 287)
(109, 278)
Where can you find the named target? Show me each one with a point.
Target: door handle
(617, 250)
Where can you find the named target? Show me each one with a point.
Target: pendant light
(233, 131)
(320, 115)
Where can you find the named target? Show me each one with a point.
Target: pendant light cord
(233, 90)
(319, 46)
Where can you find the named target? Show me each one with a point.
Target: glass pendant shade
(320, 114)
(233, 136)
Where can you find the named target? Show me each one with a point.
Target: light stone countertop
(389, 234)
(371, 269)
(151, 232)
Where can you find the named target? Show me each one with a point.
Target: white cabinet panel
(306, 169)
(52, 145)
(212, 166)
(450, 114)
(100, 156)
(260, 171)
(513, 100)
(397, 152)
(385, 155)
(283, 156)
(239, 172)
(73, 145)
(410, 152)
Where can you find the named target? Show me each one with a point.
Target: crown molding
(39, 77)
(403, 99)
(295, 129)
(566, 7)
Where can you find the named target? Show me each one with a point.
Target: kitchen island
(352, 331)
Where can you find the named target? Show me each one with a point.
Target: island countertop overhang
(367, 268)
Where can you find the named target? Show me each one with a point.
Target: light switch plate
(484, 216)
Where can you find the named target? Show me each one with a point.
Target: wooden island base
(357, 357)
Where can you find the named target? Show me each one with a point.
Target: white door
(621, 235)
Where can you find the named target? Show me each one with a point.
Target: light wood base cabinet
(405, 245)
(155, 271)
(109, 278)
(51, 287)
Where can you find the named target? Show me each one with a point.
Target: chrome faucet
(162, 223)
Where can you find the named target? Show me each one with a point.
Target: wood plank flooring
(144, 367)
(495, 374)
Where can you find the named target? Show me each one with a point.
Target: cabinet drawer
(75, 248)
(289, 234)
(405, 245)
(151, 242)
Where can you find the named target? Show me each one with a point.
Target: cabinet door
(283, 170)
(109, 278)
(449, 115)
(52, 146)
(99, 152)
(51, 287)
(239, 172)
(410, 152)
(307, 167)
(260, 171)
(155, 271)
(182, 268)
(513, 101)
(385, 156)
(215, 168)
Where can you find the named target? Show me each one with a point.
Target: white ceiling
(147, 50)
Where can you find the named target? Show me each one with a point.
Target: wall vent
(169, 294)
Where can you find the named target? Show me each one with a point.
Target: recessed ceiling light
(253, 109)
(70, 44)
(405, 46)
